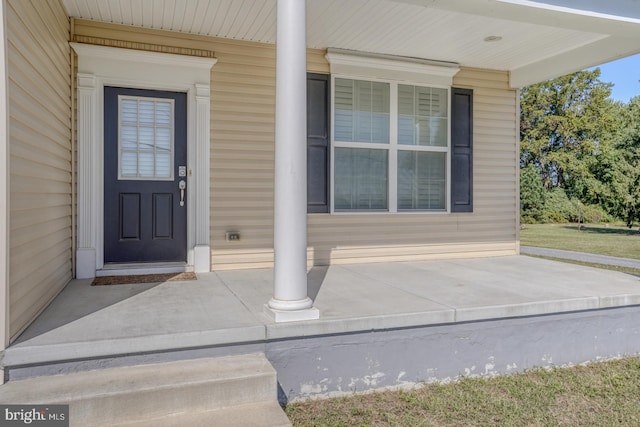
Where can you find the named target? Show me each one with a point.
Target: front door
(145, 175)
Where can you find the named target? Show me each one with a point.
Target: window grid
(394, 149)
(145, 138)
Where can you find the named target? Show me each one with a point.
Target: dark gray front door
(145, 157)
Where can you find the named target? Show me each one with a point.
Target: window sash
(422, 116)
(362, 180)
(361, 111)
(394, 148)
(421, 180)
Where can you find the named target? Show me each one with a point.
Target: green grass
(599, 394)
(596, 239)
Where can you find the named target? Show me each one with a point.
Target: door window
(145, 138)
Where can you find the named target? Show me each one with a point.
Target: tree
(563, 123)
(532, 194)
(617, 169)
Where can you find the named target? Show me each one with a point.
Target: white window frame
(172, 143)
(393, 147)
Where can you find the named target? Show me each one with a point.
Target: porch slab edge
(358, 324)
(25, 355)
(469, 314)
(613, 301)
(48, 353)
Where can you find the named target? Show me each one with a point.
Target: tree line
(579, 152)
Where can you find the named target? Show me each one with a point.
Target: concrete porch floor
(226, 307)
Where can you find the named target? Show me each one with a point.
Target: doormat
(143, 278)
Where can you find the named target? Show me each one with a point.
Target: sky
(625, 75)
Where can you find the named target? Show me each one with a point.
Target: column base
(85, 263)
(202, 259)
(279, 316)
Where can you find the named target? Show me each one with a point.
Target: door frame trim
(100, 66)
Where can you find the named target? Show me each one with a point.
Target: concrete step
(260, 414)
(138, 393)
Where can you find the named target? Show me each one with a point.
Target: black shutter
(461, 150)
(317, 143)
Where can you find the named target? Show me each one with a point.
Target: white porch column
(290, 300)
(202, 248)
(87, 168)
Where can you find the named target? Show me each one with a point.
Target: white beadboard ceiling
(540, 40)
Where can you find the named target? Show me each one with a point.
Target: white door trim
(100, 66)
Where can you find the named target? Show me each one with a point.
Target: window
(390, 146)
(145, 138)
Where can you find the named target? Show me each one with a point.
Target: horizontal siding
(242, 159)
(242, 156)
(344, 238)
(40, 156)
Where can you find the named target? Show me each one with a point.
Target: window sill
(405, 212)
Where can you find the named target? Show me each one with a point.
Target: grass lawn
(594, 238)
(598, 394)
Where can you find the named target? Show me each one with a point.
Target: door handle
(182, 185)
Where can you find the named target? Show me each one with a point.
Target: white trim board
(100, 66)
(5, 334)
(388, 67)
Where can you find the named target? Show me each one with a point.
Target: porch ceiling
(538, 40)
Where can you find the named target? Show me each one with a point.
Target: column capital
(86, 81)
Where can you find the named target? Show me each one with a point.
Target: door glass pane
(163, 113)
(129, 111)
(360, 179)
(129, 137)
(163, 139)
(145, 164)
(163, 165)
(129, 164)
(421, 180)
(146, 112)
(361, 111)
(422, 116)
(145, 138)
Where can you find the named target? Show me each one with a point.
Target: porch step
(172, 393)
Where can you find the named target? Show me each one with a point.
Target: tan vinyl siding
(40, 156)
(242, 159)
(246, 202)
(346, 238)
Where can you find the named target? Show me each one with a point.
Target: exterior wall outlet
(232, 236)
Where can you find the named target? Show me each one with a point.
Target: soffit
(538, 41)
